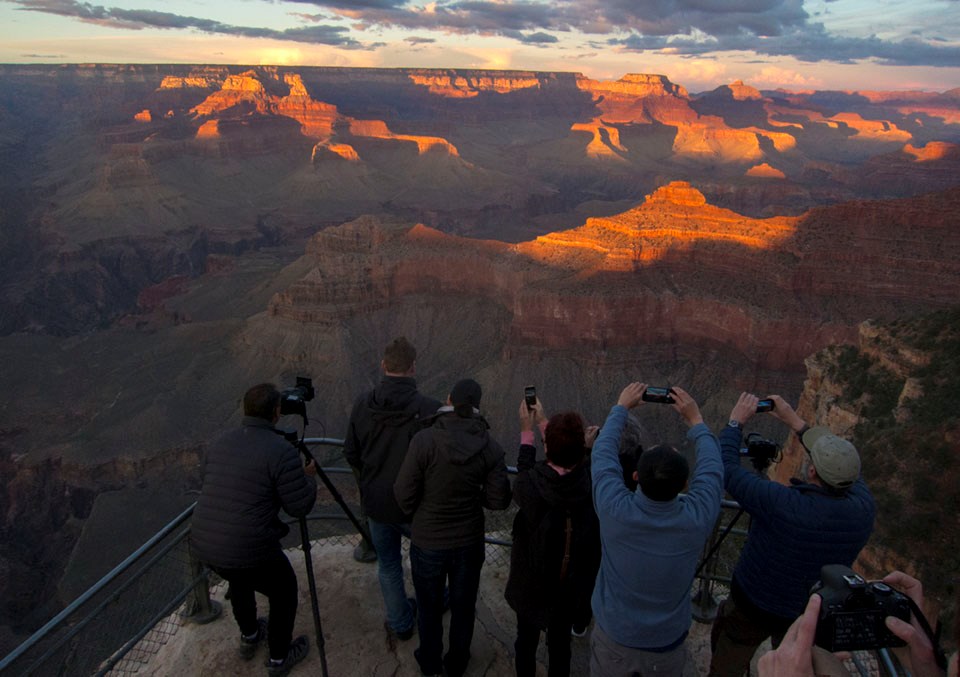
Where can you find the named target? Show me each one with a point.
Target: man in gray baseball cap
(834, 459)
(825, 516)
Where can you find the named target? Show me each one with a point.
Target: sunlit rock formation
(674, 269)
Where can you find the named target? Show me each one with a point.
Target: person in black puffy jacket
(249, 475)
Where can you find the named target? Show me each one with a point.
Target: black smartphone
(530, 396)
(765, 405)
(658, 395)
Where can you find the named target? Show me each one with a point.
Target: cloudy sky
(796, 44)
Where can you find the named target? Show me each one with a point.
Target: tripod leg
(311, 581)
(361, 529)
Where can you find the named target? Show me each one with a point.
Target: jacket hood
(461, 438)
(392, 397)
(562, 491)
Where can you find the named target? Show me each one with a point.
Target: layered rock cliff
(673, 270)
(107, 153)
(892, 393)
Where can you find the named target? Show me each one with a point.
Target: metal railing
(121, 622)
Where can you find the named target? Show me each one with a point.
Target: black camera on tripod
(853, 611)
(761, 452)
(294, 400)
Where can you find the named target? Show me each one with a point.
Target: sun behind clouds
(280, 56)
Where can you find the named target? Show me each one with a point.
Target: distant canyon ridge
(174, 234)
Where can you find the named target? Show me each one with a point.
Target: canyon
(174, 234)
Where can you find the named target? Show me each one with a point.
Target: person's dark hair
(564, 439)
(399, 356)
(630, 438)
(628, 463)
(261, 401)
(662, 472)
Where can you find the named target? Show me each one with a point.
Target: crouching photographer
(825, 516)
(249, 474)
(846, 611)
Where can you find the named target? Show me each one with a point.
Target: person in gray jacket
(452, 471)
(250, 474)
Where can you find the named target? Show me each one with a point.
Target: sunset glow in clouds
(795, 44)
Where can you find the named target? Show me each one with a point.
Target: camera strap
(938, 655)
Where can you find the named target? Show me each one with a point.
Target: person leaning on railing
(249, 474)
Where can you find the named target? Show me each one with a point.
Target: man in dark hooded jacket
(249, 474)
(453, 470)
(556, 540)
(381, 425)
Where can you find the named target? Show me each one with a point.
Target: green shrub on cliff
(911, 449)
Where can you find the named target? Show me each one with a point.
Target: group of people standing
(606, 530)
(426, 471)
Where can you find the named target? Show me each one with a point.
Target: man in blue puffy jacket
(249, 475)
(824, 517)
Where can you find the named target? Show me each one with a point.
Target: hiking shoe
(364, 553)
(408, 633)
(248, 647)
(297, 652)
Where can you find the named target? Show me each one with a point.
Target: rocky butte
(172, 234)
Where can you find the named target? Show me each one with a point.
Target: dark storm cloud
(683, 27)
(138, 19)
(813, 45)
(539, 38)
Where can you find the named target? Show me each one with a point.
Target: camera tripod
(301, 446)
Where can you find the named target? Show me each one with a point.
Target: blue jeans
(431, 570)
(386, 541)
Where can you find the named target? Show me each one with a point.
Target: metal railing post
(200, 608)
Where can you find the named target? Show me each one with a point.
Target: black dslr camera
(760, 451)
(294, 400)
(853, 611)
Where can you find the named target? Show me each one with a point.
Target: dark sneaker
(248, 647)
(408, 633)
(297, 652)
(364, 553)
(424, 673)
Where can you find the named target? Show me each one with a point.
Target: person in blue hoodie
(651, 541)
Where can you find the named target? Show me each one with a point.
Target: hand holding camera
(745, 407)
(531, 409)
(853, 613)
(923, 659)
(686, 406)
(846, 613)
(783, 411)
(632, 395)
